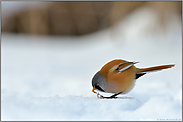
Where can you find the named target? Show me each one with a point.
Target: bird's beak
(93, 90)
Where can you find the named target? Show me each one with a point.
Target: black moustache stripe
(99, 88)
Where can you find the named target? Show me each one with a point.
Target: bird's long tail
(156, 68)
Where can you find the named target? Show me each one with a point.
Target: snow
(49, 77)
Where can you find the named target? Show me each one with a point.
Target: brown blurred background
(80, 18)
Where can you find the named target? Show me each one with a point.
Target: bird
(119, 77)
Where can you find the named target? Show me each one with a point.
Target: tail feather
(156, 68)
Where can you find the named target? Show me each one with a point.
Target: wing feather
(126, 67)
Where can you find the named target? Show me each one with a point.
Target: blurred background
(77, 18)
(55, 48)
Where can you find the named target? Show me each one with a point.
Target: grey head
(99, 82)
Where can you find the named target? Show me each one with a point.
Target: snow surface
(49, 77)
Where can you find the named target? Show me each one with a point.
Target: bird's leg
(102, 97)
(113, 96)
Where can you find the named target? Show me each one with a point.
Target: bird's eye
(99, 88)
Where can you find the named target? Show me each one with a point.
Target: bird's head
(98, 82)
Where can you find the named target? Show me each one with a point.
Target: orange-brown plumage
(118, 76)
(156, 68)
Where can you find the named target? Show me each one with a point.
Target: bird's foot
(102, 97)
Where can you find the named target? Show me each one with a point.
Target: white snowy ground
(49, 78)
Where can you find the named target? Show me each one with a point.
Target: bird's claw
(100, 96)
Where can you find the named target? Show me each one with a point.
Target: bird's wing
(122, 67)
(128, 65)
